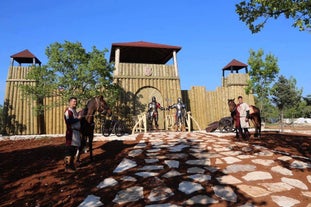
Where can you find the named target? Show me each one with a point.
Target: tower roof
(143, 52)
(25, 56)
(234, 65)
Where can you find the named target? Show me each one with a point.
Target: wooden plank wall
(205, 106)
(209, 106)
(20, 111)
(54, 117)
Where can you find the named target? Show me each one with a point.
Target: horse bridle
(98, 105)
(233, 108)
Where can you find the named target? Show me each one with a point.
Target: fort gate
(141, 69)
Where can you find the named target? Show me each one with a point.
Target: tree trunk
(282, 120)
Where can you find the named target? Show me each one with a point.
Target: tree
(285, 95)
(271, 114)
(302, 109)
(262, 73)
(255, 13)
(308, 100)
(306, 111)
(70, 71)
(80, 73)
(41, 84)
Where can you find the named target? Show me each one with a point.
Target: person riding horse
(180, 113)
(153, 114)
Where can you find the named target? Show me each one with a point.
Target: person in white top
(243, 118)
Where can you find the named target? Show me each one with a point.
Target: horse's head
(232, 105)
(102, 106)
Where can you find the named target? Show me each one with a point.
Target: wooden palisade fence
(140, 82)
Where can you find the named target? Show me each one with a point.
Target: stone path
(197, 169)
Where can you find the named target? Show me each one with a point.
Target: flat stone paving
(205, 170)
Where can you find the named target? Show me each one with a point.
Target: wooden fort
(144, 70)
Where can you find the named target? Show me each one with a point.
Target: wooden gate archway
(144, 97)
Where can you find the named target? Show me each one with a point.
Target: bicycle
(113, 126)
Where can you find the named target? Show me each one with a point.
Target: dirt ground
(32, 170)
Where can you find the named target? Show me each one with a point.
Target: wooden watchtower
(236, 78)
(18, 109)
(144, 70)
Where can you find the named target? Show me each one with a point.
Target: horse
(95, 104)
(254, 113)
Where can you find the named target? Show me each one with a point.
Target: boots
(69, 164)
(247, 134)
(240, 133)
(237, 133)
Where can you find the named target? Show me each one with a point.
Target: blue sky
(209, 33)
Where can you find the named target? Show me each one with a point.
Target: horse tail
(256, 119)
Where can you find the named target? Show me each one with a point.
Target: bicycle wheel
(119, 129)
(227, 128)
(106, 129)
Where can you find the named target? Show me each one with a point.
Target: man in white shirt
(242, 118)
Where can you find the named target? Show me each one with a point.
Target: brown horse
(254, 116)
(95, 104)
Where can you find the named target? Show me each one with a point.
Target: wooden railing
(141, 123)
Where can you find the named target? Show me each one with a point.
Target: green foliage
(44, 82)
(41, 84)
(306, 110)
(269, 112)
(262, 73)
(299, 110)
(71, 71)
(308, 100)
(285, 94)
(80, 73)
(255, 13)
